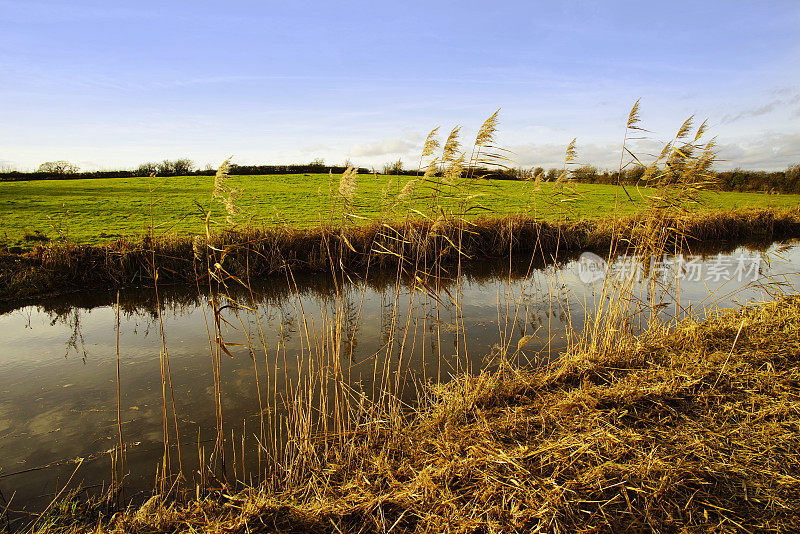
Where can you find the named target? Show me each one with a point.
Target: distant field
(96, 210)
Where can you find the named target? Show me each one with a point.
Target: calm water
(58, 359)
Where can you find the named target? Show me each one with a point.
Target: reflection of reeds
(119, 453)
(659, 435)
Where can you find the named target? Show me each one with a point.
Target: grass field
(97, 210)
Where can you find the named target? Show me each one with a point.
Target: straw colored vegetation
(695, 430)
(97, 211)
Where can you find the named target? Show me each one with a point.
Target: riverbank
(98, 211)
(695, 429)
(60, 268)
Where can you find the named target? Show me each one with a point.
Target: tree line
(62, 170)
(786, 181)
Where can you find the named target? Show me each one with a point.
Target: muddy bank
(256, 255)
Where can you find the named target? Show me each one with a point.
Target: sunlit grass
(93, 211)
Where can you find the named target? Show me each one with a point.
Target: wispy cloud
(769, 107)
(770, 151)
(121, 83)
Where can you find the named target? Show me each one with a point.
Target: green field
(96, 210)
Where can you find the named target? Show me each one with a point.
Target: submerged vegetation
(683, 426)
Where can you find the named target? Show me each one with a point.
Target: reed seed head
(198, 247)
(407, 190)
(455, 169)
(220, 178)
(430, 170)
(452, 145)
(665, 152)
(571, 154)
(486, 132)
(347, 183)
(701, 130)
(386, 188)
(633, 117)
(685, 128)
(431, 143)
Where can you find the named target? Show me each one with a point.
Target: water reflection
(58, 361)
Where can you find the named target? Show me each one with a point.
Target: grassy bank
(100, 210)
(254, 254)
(692, 430)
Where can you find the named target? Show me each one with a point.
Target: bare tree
(393, 167)
(58, 167)
(176, 167)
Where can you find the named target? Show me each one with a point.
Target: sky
(110, 85)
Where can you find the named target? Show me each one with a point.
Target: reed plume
(408, 190)
(487, 130)
(224, 194)
(571, 153)
(685, 128)
(347, 184)
(431, 143)
(220, 178)
(452, 146)
(454, 169)
(198, 247)
(633, 116)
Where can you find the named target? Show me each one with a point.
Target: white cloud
(87, 165)
(771, 151)
(314, 149)
(381, 148)
(603, 156)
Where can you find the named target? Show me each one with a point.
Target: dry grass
(695, 430)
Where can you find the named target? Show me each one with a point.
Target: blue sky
(112, 84)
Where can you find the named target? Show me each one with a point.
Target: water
(58, 359)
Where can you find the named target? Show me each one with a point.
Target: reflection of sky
(57, 394)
